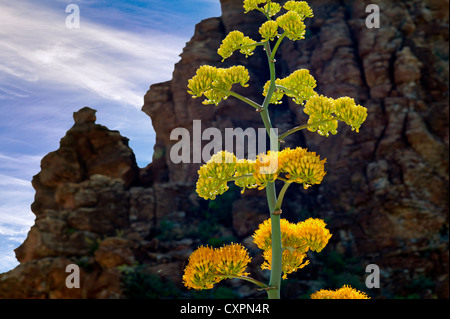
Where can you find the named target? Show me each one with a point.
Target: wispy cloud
(36, 46)
(48, 71)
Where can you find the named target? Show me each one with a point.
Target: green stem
(242, 98)
(286, 90)
(281, 195)
(275, 48)
(302, 127)
(272, 77)
(277, 250)
(252, 280)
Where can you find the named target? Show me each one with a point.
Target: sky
(50, 69)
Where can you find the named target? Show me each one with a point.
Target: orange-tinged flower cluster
(299, 166)
(302, 167)
(346, 292)
(267, 168)
(315, 234)
(208, 266)
(291, 261)
(296, 240)
(292, 165)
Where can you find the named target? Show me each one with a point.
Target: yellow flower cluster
(328, 111)
(352, 114)
(296, 240)
(298, 165)
(300, 7)
(214, 175)
(235, 40)
(271, 8)
(215, 83)
(253, 4)
(208, 266)
(303, 167)
(268, 30)
(245, 167)
(291, 261)
(292, 24)
(315, 234)
(299, 86)
(346, 292)
(266, 168)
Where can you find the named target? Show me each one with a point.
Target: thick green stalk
(277, 250)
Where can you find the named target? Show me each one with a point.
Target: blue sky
(48, 71)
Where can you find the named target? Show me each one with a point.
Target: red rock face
(384, 198)
(386, 191)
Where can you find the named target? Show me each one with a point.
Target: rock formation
(385, 196)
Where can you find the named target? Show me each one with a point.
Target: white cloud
(36, 46)
(48, 71)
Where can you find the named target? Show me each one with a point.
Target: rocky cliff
(385, 196)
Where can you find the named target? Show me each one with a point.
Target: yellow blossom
(299, 85)
(245, 167)
(210, 187)
(309, 234)
(300, 7)
(269, 30)
(247, 46)
(208, 266)
(346, 292)
(235, 40)
(272, 9)
(202, 81)
(321, 109)
(292, 24)
(213, 175)
(215, 83)
(352, 114)
(200, 271)
(296, 240)
(302, 166)
(231, 260)
(263, 235)
(267, 167)
(291, 261)
(253, 4)
(220, 166)
(315, 234)
(327, 111)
